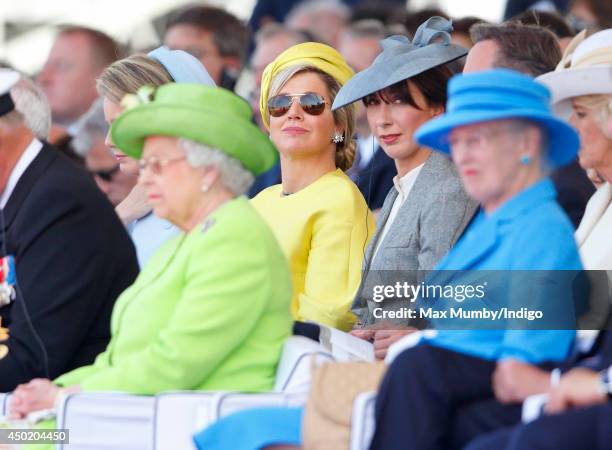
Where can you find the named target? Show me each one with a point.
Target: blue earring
(525, 159)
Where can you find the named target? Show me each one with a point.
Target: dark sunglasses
(311, 103)
(106, 174)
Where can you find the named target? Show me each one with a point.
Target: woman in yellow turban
(317, 213)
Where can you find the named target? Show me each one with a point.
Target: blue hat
(401, 59)
(183, 67)
(496, 95)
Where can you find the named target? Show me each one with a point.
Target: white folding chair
(106, 421)
(293, 373)
(363, 421)
(232, 402)
(112, 421)
(178, 415)
(181, 414)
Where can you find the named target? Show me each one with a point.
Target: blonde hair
(128, 75)
(344, 117)
(601, 104)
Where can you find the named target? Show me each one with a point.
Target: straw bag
(327, 418)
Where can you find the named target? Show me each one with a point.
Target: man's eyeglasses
(156, 165)
(106, 174)
(311, 103)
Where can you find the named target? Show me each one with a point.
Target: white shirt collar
(26, 158)
(404, 184)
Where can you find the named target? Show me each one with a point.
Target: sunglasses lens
(312, 104)
(279, 105)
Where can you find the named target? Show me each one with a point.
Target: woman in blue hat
(427, 209)
(500, 132)
(124, 77)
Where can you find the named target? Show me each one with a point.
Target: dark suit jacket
(574, 189)
(375, 180)
(73, 257)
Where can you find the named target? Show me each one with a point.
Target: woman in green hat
(210, 311)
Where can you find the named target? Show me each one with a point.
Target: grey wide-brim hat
(401, 59)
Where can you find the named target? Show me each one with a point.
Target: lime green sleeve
(221, 301)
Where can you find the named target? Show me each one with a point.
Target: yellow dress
(324, 230)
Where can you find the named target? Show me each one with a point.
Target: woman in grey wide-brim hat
(427, 209)
(404, 87)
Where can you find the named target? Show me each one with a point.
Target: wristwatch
(605, 382)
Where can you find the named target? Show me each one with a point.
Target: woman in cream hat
(317, 213)
(210, 311)
(581, 89)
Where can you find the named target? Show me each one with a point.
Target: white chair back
(106, 421)
(295, 366)
(363, 421)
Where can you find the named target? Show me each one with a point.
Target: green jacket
(210, 311)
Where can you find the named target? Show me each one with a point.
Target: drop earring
(205, 187)
(337, 138)
(525, 159)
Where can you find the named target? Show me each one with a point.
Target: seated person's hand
(514, 381)
(38, 394)
(384, 338)
(134, 206)
(363, 333)
(578, 388)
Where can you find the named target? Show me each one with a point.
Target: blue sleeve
(551, 252)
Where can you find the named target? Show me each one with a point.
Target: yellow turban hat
(321, 56)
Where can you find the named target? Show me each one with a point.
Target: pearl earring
(205, 187)
(337, 138)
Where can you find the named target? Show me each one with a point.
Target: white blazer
(594, 235)
(594, 239)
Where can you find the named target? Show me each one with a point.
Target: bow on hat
(402, 59)
(321, 56)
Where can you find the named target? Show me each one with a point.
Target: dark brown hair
(529, 49)
(552, 21)
(431, 83)
(229, 33)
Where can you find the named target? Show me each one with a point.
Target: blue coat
(528, 232)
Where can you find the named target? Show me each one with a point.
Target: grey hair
(31, 108)
(233, 174)
(91, 127)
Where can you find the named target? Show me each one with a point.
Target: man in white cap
(65, 256)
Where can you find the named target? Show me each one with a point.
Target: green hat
(210, 115)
